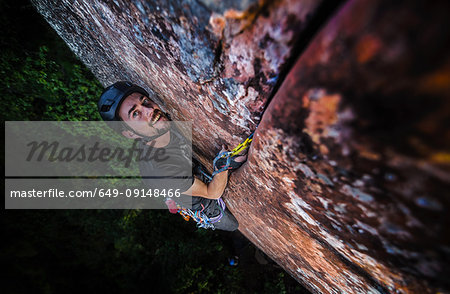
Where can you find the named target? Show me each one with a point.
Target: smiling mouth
(156, 116)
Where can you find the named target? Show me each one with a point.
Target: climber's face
(143, 115)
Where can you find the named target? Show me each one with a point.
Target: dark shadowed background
(69, 251)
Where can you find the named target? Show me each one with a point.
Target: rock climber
(142, 119)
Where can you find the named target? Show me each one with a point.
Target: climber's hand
(235, 161)
(240, 158)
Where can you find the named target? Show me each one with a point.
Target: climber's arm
(213, 190)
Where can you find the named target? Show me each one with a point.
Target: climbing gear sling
(199, 216)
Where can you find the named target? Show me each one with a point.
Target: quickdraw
(241, 147)
(229, 154)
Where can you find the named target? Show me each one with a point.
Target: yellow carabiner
(242, 146)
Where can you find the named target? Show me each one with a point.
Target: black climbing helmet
(112, 98)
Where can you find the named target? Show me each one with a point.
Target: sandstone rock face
(211, 62)
(347, 180)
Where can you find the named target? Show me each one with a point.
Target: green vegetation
(114, 251)
(44, 89)
(41, 78)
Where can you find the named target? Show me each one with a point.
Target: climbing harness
(200, 217)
